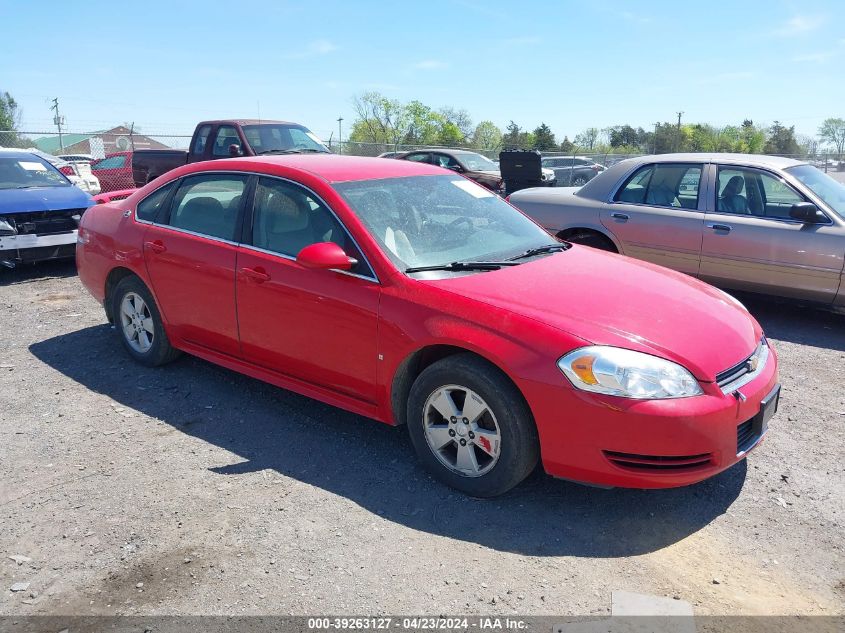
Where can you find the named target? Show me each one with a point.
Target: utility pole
(58, 121)
(678, 137)
(340, 135)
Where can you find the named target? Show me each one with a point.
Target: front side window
(201, 140)
(751, 192)
(226, 136)
(434, 220)
(208, 205)
(286, 218)
(149, 207)
(444, 160)
(664, 185)
(477, 162)
(825, 187)
(112, 162)
(29, 172)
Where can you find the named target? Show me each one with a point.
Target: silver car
(746, 222)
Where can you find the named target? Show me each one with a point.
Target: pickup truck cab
(227, 139)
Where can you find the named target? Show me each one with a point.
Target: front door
(751, 242)
(319, 326)
(657, 215)
(191, 255)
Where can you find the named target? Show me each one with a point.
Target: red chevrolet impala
(409, 294)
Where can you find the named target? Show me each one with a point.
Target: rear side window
(201, 140)
(208, 205)
(667, 185)
(149, 207)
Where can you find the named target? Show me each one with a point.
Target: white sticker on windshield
(472, 189)
(31, 166)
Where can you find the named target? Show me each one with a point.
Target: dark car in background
(470, 164)
(39, 210)
(572, 171)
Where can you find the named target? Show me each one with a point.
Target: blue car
(39, 210)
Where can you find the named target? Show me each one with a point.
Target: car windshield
(477, 162)
(825, 187)
(267, 138)
(434, 220)
(28, 172)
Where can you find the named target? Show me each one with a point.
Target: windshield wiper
(548, 248)
(462, 266)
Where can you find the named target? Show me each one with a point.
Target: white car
(78, 170)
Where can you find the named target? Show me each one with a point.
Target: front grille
(658, 463)
(746, 436)
(745, 370)
(44, 222)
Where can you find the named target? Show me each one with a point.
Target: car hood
(43, 199)
(609, 299)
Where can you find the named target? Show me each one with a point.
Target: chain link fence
(99, 144)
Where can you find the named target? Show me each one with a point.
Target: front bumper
(35, 248)
(612, 441)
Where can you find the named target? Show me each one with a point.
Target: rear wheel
(471, 427)
(139, 325)
(592, 239)
(579, 181)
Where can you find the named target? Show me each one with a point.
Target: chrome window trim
(250, 247)
(195, 234)
(777, 176)
(629, 175)
(762, 353)
(334, 215)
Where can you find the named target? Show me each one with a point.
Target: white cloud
(800, 25)
(816, 58)
(430, 64)
(315, 48)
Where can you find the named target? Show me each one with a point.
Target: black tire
(591, 239)
(519, 446)
(160, 351)
(579, 181)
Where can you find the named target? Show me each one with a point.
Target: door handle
(620, 216)
(155, 247)
(719, 227)
(258, 275)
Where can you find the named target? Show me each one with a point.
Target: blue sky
(167, 65)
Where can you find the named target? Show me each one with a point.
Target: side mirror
(326, 256)
(234, 150)
(807, 212)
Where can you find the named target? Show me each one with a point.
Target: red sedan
(409, 294)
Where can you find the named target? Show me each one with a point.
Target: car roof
(599, 188)
(442, 150)
(247, 122)
(329, 167)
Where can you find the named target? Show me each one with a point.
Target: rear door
(114, 172)
(657, 215)
(757, 246)
(190, 251)
(319, 326)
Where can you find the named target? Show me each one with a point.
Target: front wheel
(470, 426)
(139, 325)
(579, 181)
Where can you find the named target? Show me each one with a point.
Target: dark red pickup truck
(225, 139)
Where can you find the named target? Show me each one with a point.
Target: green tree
(832, 131)
(449, 135)
(460, 119)
(423, 124)
(544, 138)
(379, 120)
(566, 145)
(10, 118)
(587, 139)
(781, 140)
(487, 136)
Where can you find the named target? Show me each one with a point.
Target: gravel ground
(190, 489)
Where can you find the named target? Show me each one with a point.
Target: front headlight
(622, 372)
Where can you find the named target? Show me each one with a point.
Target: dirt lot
(193, 490)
